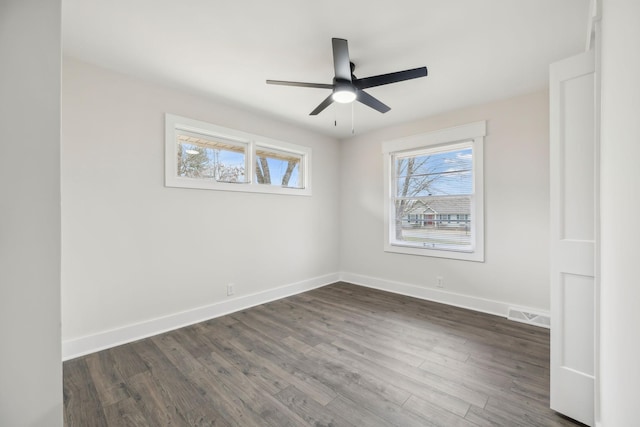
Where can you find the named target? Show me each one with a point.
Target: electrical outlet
(230, 289)
(439, 282)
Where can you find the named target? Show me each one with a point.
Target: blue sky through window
(435, 174)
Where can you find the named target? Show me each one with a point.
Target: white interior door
(573, 158)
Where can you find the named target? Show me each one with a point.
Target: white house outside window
(434, 194)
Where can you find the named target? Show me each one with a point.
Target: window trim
(175, 124)
(449, 137)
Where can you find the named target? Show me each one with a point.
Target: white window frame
(473, 133)
(175, 124)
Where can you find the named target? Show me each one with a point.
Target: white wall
(134, 250)
(620, 205)
(516, 171)
(30, 366)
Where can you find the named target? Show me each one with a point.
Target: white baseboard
(483, 305)
(91, 343)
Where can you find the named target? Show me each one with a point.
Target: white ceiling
(475, 50)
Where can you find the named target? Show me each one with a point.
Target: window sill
(476, 256)
(248, 187)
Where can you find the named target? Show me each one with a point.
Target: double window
(434, 194)
(202, 155)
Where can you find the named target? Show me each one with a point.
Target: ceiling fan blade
(385, 79)
(324, 104)
(341, 61)
(300, 84)
(372, 102)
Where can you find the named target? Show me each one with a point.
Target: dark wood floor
(341, 355)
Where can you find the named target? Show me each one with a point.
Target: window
(434, 194)
(205, 156)
(277, 167)
(209, 158)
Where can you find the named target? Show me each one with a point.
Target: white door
(573, 159)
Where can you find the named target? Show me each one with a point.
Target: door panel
(577, 310)
(573, 211)
(577, 158)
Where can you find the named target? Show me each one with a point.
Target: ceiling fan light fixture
(344, 94)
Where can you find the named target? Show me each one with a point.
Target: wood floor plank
(282, 364)
(436, 414)
(211, 407)
(413, 346)
(270, 410)
(456, 320)
(422, 334)
(107, 380)
(429, 390)
(245, 361)
(484, 418)
(474, 377)
(171, 382)
(313, 413)
(297, 346)
(125, 413)
(370, 393)
(82, 405)
(394, 348)
(338, 374)
(356, 414)
(284, 329)
(515, 414)
(127, 363)
(153, 402)
(340, 355)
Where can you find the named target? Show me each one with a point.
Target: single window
(205, 156)
(438, 180)
(434, 191)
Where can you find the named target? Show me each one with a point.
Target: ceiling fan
(348, 88)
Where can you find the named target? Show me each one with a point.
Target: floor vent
(536, 319)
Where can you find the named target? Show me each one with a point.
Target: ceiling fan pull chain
(353, 126)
